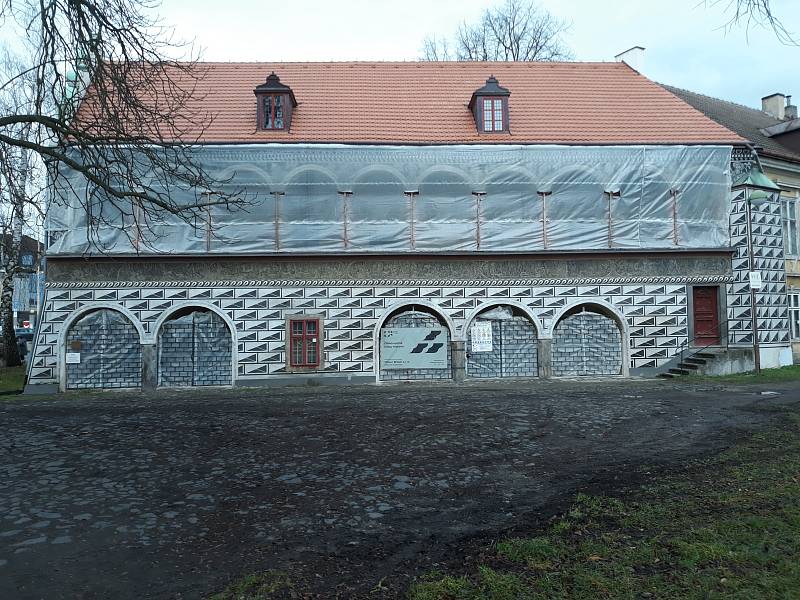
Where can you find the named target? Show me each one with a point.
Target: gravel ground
(172, 495)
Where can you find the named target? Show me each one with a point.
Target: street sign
(414, 348)
(755, 280)
(481, 336)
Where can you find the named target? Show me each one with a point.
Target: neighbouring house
(430, 221)
(774, 132)
(29, 282)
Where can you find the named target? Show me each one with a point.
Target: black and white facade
(422, 263)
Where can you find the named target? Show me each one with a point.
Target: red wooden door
(706, 315)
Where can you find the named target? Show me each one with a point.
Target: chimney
(774, 105)
(633, 57)
(791, 110)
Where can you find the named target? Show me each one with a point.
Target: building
(774, 132)
(429, 221)
(29, 282)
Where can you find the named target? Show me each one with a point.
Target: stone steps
(692, 363)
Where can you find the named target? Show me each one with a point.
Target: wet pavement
(172, 495)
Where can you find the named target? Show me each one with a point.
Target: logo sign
(26, 260)
(481, 335)
(755, 280)
(414, 348)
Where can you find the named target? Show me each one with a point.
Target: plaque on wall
(414, 348)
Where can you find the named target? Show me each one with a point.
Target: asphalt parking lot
(172, 495)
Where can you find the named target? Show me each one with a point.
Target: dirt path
(173, 495)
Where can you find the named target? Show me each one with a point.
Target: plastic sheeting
(436, 199)
(194, 350)
(109, 350)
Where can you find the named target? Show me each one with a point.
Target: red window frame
(302, 338)
(268, 120)
(493, 122)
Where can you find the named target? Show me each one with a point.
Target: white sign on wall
(414, 348)
(73, 358)
(755, 280)
(481, 335)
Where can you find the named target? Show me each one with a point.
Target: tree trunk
(9, 351)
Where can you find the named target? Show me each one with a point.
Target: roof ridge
(731, 102)
(406, 62)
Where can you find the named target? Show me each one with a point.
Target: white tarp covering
(466, 198)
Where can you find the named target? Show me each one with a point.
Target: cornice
(389, 282)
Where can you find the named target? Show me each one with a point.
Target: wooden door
(706, 315)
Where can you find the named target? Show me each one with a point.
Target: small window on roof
(272, 112)
(276, 103)
(493, 115)
(489, 106)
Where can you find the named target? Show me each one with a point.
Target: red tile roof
(426, 103)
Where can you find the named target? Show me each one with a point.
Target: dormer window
(489, 106)
(272, 111)
(275, 104)
(493, 115)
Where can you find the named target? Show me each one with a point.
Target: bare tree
(15, 218)
(755, 13)
(21, 205)
(112, 103)
(518, 30)
(98, 88)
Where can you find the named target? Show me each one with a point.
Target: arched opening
(310, 214)
(502, 341)
(414, 344)
(378, 212)
(195, 348)
(445, 213)
(588, 340)
(103, 350)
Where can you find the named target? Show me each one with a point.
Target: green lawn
(790, 373)
(12, 380)
(728, 528)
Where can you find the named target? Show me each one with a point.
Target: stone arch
(590, 338)
(483, 306)
(378, 211)
(514, 348)
(191, 348)
(434, 169)
(92, 306)
(237, 169)
(115, 339)
(297, 171)
(445, 210)
(421, 308)
(310, 211)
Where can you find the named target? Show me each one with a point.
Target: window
(273, 112)
(790, 225)
(794, 314)
(493, 114)
(304, 342)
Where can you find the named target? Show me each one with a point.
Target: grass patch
(730, 528)
(12, 380)
(790, 373)
(258, 586)
(490, 584)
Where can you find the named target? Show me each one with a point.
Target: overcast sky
(685, 42)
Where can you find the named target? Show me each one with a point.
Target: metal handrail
(718, 330)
